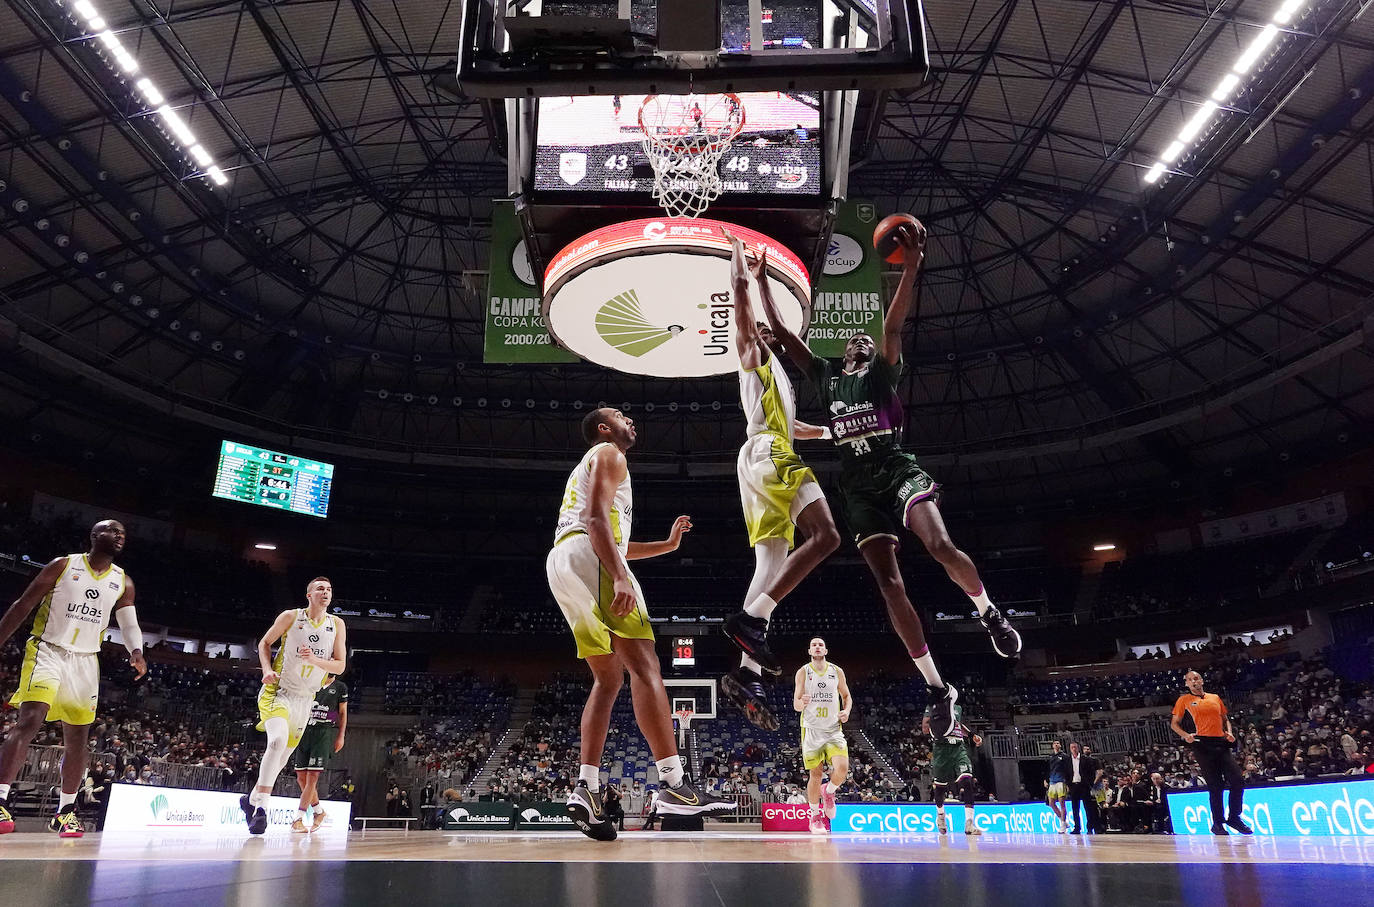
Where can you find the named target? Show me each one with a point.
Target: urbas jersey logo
(92, 594)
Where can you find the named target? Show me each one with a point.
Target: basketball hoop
(684, 139)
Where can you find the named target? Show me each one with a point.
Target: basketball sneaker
(751, 635)
(942, 723)
(942, 822)
(816, 824)
(318, 820)
(298, 827)
(744, 688)
(1005, 640)
(67, 823)
(6, 820)
(971, 827)
(687, 800)
(827, 802)
(584, 805)
(1239, 825)
(258, 825)
(246, 805)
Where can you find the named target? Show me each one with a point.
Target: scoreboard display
(271, 479)
(684, 651)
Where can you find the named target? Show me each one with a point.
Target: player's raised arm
(793, 345)
(913, 243)
(746, 327)
(23, 606)
(640, 550)
(269, 639)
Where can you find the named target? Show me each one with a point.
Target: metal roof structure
(1082, 335)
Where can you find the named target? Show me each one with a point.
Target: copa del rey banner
(515, 324)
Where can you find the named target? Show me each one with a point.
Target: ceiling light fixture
(126, 64)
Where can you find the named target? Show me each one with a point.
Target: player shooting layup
(779, 493)
(313, 646)
(821, 694)
(882, 487)
(590, 577)
(60, 680)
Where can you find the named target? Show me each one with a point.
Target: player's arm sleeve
(1179, 707)
(129, 629)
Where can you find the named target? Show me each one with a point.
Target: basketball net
(684, 139)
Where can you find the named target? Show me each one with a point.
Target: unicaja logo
(532, 815)
(158, 805)
(621, 323)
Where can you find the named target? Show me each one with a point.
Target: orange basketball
(885, 236)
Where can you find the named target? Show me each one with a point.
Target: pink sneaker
(817, 825)
(827, 803)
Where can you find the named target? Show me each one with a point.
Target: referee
(1212, 741)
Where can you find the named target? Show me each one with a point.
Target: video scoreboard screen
(593, 144)
(271, 479)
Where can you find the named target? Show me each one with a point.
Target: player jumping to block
(779, 494)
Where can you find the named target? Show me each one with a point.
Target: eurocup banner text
(1324, 808)
(515, 321)
(139, 807)
(847, 298)
(919, 818)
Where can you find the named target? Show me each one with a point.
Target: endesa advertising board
(1320, 808)
(919, 818)
(785, 817)
(139, 807)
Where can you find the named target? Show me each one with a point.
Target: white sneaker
(941, 823)
(971, 827)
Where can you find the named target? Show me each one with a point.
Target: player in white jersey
(778, 491)
(589, 575)
(60, 681)
(821, 694)
(313, 647)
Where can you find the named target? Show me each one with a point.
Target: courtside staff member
(1212, 742)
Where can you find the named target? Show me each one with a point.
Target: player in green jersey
(951, 766)
(882, 488)
(323, 737)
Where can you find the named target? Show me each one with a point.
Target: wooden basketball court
(704, 868)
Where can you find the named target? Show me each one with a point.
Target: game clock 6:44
(684, 651)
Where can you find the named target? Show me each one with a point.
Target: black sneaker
(1219, 830)
(1005, 640)
(247, 806)
(67, 823)
(687, 800)
(584, 805)
(258, 825)
(1239, 825)
(744, 688)
(751, 635)
(942, 723)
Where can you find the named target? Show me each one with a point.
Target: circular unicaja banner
(652, 297)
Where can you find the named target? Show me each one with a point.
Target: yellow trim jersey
(298, 678)
(572, 513)
(766, 396)
(75, 614)
(822, 713)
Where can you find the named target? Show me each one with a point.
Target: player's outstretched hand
(681, 525)
(623, 600)
(913, 243)
(139, 664)
(759, 266)
(739, 270)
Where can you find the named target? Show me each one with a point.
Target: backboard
(541, 48)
